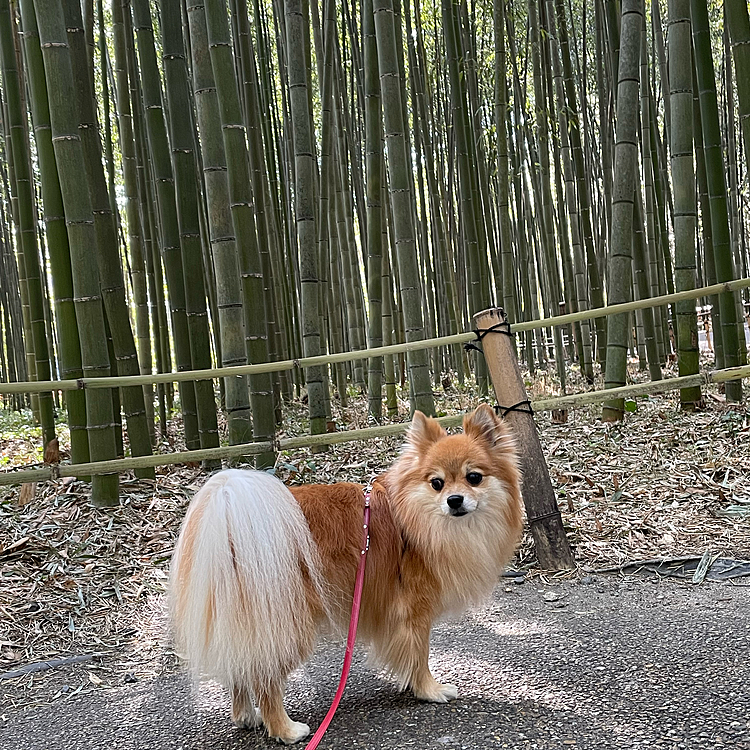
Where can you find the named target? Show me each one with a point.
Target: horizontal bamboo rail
(348, 436)
(289, 364)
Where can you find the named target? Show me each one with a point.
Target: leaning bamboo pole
(290, 364)
(350, 436)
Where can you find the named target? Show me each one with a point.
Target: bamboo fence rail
(370, 433)
(461, 338)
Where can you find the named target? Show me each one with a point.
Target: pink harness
(358, 585)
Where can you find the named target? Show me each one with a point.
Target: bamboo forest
(191, 186)
(427, 316)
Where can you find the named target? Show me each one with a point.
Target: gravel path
(592, 663)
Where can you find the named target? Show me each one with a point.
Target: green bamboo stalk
(738, 24)
(476, 255)
(169, 230)
(182, 139)
(17, 311)
(350, 259)
(730, 136)
(104, 69)
(58, 68)
(224, 250)
(580, 298)
(652, 254)
(108, 256)
(299, 84)
(132, 204)
(581, 172)
(641, 287)
(268, 249)
(57, 237)
(336, 313)
(709, 269)
(391, 398)
(683, 178)
(510, 304)
(626, 155)
(712, 148)
(17, 128)
(548, 270)
(400, 185)
(374, 160)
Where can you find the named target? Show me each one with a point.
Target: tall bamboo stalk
(231, 321)
(374, 161)
(683, 177)
(57, 237)
(108, 256)
(243, 218)
(400, 185)
(712, 149)
(61, 87)
(132, 204)
(18, 130)
(169, 234)
(185, 170)
(619, 284)
(738, 24)
(297, 42)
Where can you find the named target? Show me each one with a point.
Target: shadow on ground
(604, 664)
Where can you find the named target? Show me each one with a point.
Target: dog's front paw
(437, 693)
(248, 720)
(295, 732)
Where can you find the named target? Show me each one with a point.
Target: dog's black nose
(455, 501)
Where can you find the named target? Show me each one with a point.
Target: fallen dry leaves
(75, 580)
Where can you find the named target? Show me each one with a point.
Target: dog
(260, 569)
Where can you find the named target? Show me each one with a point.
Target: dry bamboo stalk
(552, 547)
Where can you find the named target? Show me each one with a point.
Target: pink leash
(358, 586)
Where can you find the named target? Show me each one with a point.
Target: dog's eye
(437, 484)
(474, 477)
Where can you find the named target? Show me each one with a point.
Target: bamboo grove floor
(79, 581)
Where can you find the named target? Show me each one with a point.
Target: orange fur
(425, 561)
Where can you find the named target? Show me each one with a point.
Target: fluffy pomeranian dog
(261, 569)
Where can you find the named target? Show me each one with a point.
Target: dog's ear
(423, 431)
(485, 425)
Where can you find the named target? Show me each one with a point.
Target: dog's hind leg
(244, 713)
(275, 717)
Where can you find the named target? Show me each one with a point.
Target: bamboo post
(552, 548)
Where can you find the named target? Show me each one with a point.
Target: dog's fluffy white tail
(244, 580)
